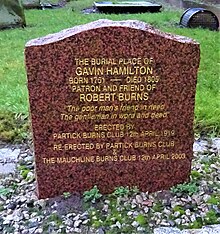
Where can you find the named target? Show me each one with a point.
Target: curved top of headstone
(135, 24)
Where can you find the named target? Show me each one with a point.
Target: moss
(214, 200)
(211, 217)
(97, 223)
(141, 219)
(23, 171)
(158, 207)
(116, 213)
(66, 195)
(13, 128)
(4, 191)
(186, 188)
(1, 208)
(206, 168)
(196, 175)
(92, 195)
(179, 209)
(121, 191)
(196, 224)
(55, 218)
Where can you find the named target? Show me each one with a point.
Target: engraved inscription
(98, 81)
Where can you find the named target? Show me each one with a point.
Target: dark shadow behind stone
(67, 205)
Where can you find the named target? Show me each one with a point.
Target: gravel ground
(192, 205)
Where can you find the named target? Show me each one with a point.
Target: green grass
(13, 89)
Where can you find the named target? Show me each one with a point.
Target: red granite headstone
(112, 104)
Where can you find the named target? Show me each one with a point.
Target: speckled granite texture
(151, 147)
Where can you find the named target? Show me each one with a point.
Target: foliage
(121, 191)
(23, 171)
(1, 209)
(13, 127)
(113, 214)
(52, 218)
(212, 217)
(8, 191)
(186, 188)
(179, 209)
(92, 195)
(117, 218)
(158, 207)
(134, 190)
(56, 218)
(195, 175)
(141, 219)
(5, 191)
(66, 195)
(214, 200)
(198, 223)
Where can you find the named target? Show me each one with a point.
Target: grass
(13, 89)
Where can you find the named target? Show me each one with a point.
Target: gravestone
(112, 104)
(8, 160)
(30, 4)
(11, 14)
(127, 7)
